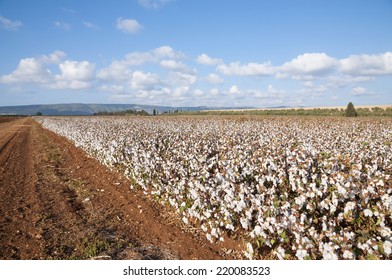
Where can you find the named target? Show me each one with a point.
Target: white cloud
(129, 26)
(214, 91)
(367, 65)
(180, 91)
(62, 25)
(153, 4)
(250, 69)
(53, 58)
(112, 88)
(91, 25)
(234, 89)
(309, 64)
(270, 96)
(214, 79)
(156, 55)
(34, 70)
(145, 81)
(172, 64)
(9, 24)
(198, 93)
(74, 70)
(116, 71)
(29, 70)
(74, 75)
(119, 70)
(182, 79)
(361, 91)
(345, 80)
(206, 60)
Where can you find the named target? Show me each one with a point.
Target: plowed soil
(58, 203)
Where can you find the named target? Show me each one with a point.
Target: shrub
(350, 110)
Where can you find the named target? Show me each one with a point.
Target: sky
(253, 53)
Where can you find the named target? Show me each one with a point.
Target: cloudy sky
(196, 52)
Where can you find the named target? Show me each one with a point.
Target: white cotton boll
(214, 232)
(349, 206)
(230, 227)
(301, 254)
(194, 193)
(342, 190)
(185, 220)
(249, 249)
(385, 232)
(348, 255)
(244, 223)
(324, 204)
(330, 256)
(368, 213)
(280, 253)
(387, 246)
(258, 230)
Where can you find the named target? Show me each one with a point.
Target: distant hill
(79, 109)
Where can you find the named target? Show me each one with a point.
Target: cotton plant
(297, 188)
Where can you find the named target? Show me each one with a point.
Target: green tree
(350, 110)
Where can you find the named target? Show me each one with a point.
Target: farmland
(57, 203)
(282, 187)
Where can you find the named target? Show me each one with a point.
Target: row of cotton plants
(305, 188)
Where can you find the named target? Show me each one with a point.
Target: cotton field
(289, 188)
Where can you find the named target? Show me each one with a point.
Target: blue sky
(186, 52)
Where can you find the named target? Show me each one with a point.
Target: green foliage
(123, 113)
(350, 110)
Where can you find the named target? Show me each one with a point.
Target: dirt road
(57, 203)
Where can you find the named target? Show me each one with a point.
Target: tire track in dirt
(57, 203)
(16, 180)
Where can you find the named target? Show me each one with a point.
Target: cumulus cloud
(9, 24)
(35, 70)
(29, 70)
(309, 64)
(250, 69)
(172, 64)
(180, 91)
(116, 71)
(361, 91)
(213, 78)
(128, 26)
(153, 4)
(198, 93)
(234, 89)
(74, 75)
(214, 91)
(145, 81)
(206, 60)
(155, 55)
(74, 70)
(339, 81)
(182, 79)
(53, 58)
(367, 65)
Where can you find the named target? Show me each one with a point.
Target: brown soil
(58, 203)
